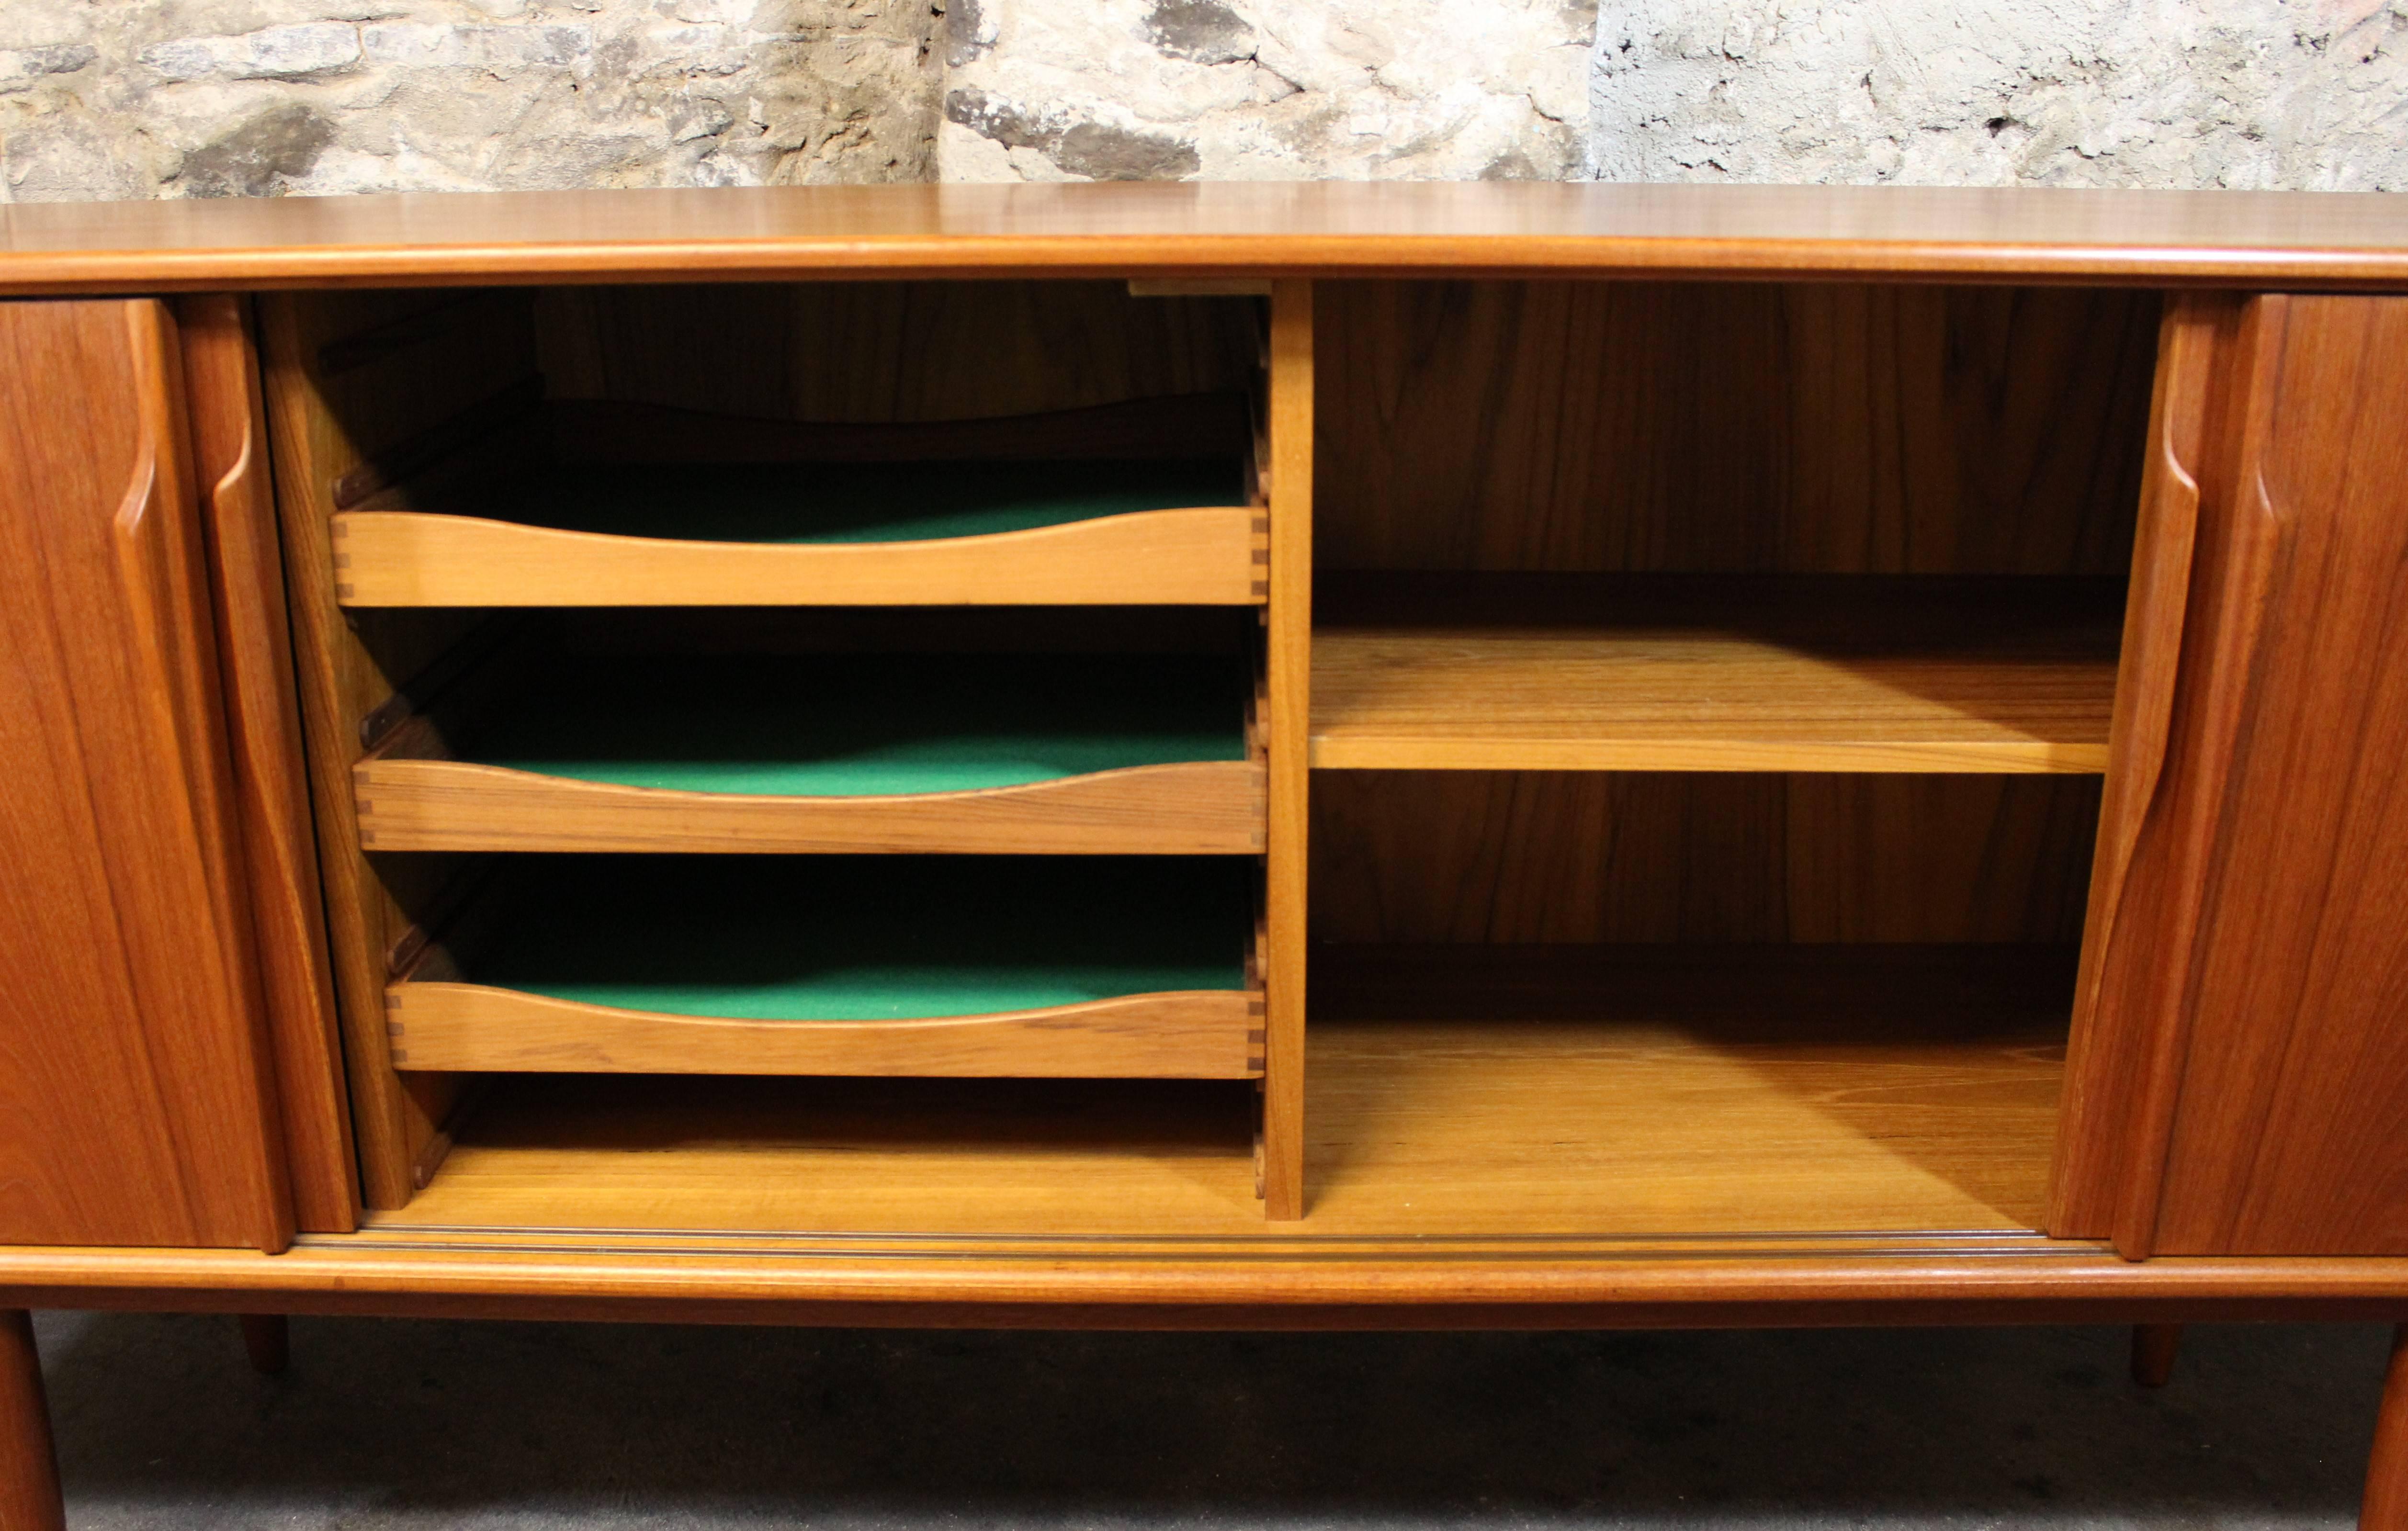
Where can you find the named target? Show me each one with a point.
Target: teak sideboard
(1241, 756)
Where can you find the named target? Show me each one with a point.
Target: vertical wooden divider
(1290, 663)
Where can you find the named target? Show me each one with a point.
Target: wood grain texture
(271, 770)
(135, 1074)
(2111, 1049)
(29, 1463)
(399, 375)
(1668, 673)
(1189, 229)
(1288, 718)
(1578, 857)
(1200, 1285)
(1191, 556)
(1204, 807)
(1203, 1035)
(1643, 427)
(2262, 942)
(855, 353)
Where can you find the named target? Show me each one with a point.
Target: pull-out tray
(1062, 532)
(1014, 753)
(993, 966)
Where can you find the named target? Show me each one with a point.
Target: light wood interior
(1710, 692)
(1508, 1093)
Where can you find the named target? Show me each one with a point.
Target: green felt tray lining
(841, 725)
(863, 937)
(848, 502)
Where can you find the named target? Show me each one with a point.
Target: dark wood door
(2239, 1079)
(137, 1105)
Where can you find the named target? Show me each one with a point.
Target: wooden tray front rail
(855, 965)
(431, 804)
(417, 790)
(465, 1027)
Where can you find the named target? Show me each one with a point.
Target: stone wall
(100, 98)
(1224, 90)
(106, 98)
(2309, 94)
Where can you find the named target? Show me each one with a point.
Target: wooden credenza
(1240, 756)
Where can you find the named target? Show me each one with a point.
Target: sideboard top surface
(1213, 229)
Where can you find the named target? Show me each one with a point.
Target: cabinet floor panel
(1670, 1093)
(1484, 671)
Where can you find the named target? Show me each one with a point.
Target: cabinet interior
(1712, 685)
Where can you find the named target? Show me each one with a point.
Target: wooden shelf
(1620, 1094)
(1041, 966)
(1709, 673)
(1019, 753)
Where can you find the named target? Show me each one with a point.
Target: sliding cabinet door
(135, 1097)
(2239, 1080)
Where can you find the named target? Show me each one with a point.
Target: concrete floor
(388, 1424)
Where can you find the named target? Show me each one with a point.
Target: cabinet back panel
(1726, 427)
(868, 351)
(1554, 857)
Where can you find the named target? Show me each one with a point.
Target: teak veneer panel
(2109, 1061)
(1538, 672)
(1757, 428)
(1201, 1034)
(1200, 555)
(253, 630)
(2244, 1018)
(1456, 1093)
(137, 1082)
(942, 353)
(1699, 857)
(1210, 229)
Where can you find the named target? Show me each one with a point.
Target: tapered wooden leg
(2155, 1346)
(2387, 1470)
(29, 1467)
(268, 1338)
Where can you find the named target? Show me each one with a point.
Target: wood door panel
(263, 732)
(2249, 1023)
(134, 1103)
